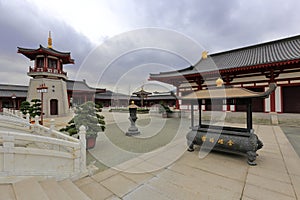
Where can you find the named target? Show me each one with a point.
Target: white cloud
(92, 18)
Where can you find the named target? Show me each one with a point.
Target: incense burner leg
(256, 144)
(259, 144)
(191, 140)
(190, 146)
(251, 158)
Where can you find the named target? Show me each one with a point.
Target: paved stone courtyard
(172, 173)
(168, 171)
(216, 176)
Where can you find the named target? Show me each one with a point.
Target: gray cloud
(219, 25)
(23, 25)
(216, 25)
(125, 54)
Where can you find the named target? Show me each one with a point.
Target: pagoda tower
(48, 81)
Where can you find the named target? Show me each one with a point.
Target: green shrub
(87, 115)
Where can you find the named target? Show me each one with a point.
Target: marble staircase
(37, 188)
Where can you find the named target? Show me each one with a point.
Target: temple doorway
(53, 107)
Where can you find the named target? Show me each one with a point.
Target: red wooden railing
(50, 70)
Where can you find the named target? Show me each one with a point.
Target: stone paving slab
(145, 192)
(7, 192)
(95, 191)
(296, 183)
(119, 184)
(259, 193)
(170, 190)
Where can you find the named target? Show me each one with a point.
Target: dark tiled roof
(21, 90)
(270, 52)
(9, 93)
(13, 87)
(111, 95)
(142, 92)
(81, 86)
(9, 90)
(78, 85)
(32, 53)
(161, 97)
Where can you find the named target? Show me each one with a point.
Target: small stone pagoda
(48, 73)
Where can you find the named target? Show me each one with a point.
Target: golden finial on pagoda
(204, 54)
(49, 40)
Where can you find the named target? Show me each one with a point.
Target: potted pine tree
(87, 115)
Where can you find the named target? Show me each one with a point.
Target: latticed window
(52, 63)
(40, 62)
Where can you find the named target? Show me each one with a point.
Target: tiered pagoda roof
(32, 53)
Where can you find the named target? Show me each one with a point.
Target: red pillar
(272, 101)
(177, 106)
(227, 83)
(272, 96)
(45, 63)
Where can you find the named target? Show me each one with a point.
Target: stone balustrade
(41, 152)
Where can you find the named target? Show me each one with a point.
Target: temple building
(253, 67)
(48, 78)
(48, 82)
(78, 92)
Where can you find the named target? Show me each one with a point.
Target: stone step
(53, 190)
(72, 190)
(29, 189)
(7, 192)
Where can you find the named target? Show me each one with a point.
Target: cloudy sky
(107, 37)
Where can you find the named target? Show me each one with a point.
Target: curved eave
(33, 53)
(224, 71)
(171, 73)
(229, 93)
(142, 92)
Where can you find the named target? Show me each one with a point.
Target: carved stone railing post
(82, 139)
(28, 117)
(36, 119)
(52, 126)
(8, 156)
(51, 134)
(20, 114)
(36, 123)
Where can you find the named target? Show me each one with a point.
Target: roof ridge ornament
(219, 82)
(204, 54)
(49, 40)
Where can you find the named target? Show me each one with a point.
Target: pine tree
(35, 108)
(87, 115)
(25, 107)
